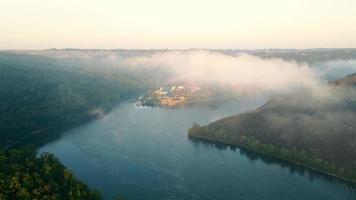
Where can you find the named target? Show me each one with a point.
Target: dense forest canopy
(23, 175)
(38, 95)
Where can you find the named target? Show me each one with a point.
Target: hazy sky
(37, 24)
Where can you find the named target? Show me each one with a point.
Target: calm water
(144, 153)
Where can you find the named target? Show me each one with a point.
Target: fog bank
(244, 73)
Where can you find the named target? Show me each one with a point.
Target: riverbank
(42, 137)
(251, 145)
(144, 153)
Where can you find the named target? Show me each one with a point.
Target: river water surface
(144, 153)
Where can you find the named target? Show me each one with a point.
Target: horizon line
(183, 49)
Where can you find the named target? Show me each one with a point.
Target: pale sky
(38, 24)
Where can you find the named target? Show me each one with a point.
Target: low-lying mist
(239, 73)
(244, 73)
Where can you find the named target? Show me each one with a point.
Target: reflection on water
(301, 171)
(144, 153)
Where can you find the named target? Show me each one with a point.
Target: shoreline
(210, 139)
(53, 133)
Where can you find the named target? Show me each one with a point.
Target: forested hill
(314, 131)
(23, 175)
(41, 96)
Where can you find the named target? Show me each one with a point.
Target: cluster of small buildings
(173, 96)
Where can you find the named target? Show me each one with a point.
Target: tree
(25, 176)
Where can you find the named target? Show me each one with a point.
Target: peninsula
(299, 127)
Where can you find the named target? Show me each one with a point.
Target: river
(144, 153)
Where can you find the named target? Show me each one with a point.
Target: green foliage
(25, 176)
(39, 96)
(300, 157)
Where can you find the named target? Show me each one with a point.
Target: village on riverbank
(170, 96)
(175, 96)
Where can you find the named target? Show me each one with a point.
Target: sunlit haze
(39, 24)
(178, 99)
